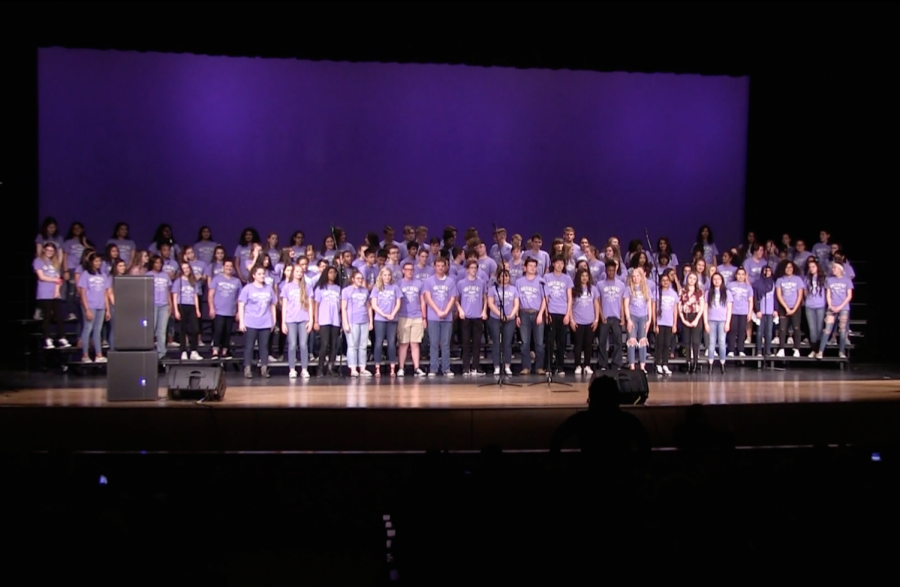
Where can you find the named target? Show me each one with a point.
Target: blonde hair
(379, 281)
(304, 300)
(645, 291)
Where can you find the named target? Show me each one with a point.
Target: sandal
(392, 372)
(377, 371)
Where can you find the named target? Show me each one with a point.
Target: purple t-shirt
(638, 305)
(328, 299)
(357, 299)
(293, 309)
(556, 288)
(73, 250)
(506, 295)
(800, 260)
(822, 251)
(583, 305)
(499, 254)
(741, 294)
(815, 297)
(612, 292)
(171, 267)
(385, 300)
(274, 256)
(258, 301)
(718, 308)
(126, 248)
(838, 286)
(225, 293)
(45, 289)
(754, 268)
(161, 285)
(242, 254)
(710, 252)
(205, 251)
(443, 292)
(411, 300)
(489, 266)
(668, 302)
(95, 287)
(422, 273)
(215, 269)
(516, 270)
(185, 292)
(791, 286)
(530, 293)
(597, 269)
(471, 296)
(727, 272)
(542, 258)
(200, 269)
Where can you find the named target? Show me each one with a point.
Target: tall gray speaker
(132, 376)
(133, 328)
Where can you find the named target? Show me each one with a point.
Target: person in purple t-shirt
(532, 307)
(411, 320)
(638, 317)
(327, 318)
(717, 319)
(503, 301)
(256, 319)
(741, 310)
(707, 245)
(838, 294)
(48, 268)
(440, 299)
(223, 294)
(186, 306)
(357, 321)
(612, 294)
(585, 319)
(666, 322)
(93, 290)
(296, 298)
(559, 306)
(162, 302)
(386, 299)
(472, 310)
(243, 252)
(789, 291)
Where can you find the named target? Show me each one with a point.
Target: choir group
(403, 292)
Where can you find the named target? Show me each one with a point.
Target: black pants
(278, 337)
(330, 339)
(692, 338)
(584, 339)
(189, 327)
(557, 340)
(783, 320)
(663, 345)
(612, 327)
(472, 331)
(252, 335)
(222, 326)
(737, 333)
(51, 308)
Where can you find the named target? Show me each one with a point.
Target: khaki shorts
(410, 330)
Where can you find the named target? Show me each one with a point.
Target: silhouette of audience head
(603, 393)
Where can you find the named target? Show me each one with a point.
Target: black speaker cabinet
(133, 328)
(189, 382)
(132, 376)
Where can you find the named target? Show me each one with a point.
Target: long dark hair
(577, 289)
(709, 239)
(46, 224)
(200, 233)
(817, 284)
(254, 239)
(158, 237)
(664, 239)
(780, 269)
(88, 263)
(323, 277)
(106, 253)
(723, 292)
(115, 234)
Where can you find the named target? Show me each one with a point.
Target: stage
(760, 407)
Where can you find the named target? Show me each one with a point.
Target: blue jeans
(297, 337)
(356, 345)
(386, 331)
(509, 328)
(439, 337)
(764, 331)
(842, 319)
(638, 334)
(91, 331)
(529, 324)
(716, 340)
(111, 339)
(161, 324)
(815, 319)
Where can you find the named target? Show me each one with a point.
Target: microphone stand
(549, 349)
(654, 262)
(501, 293)
(340, 275)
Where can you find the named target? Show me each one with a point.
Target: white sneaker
(819, 355)
(666, 370)
(173, 345)
(748, 341)
(776, 341)
(449, 374)
(38, 314)
(790, 340)
(86, 360)
(401, 373)
(63, 343)
(659, 370)
(432, 374)
(200, 343)
(796, 353)
(195, 356)
(48, 344)
(496, 370)
(292, 374)
(101, 359)
(577, 370)
(365, 373)
(588, 371)
(273, 359)
(508, 370)
(479, 373)
(812, 355)
(184, 356)
(560, 373)
(780, 353)
(842, 355)
(467, 373)
(730, 354)
(354, 373)
(742, 354)
(420, 373)
(71, 316)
